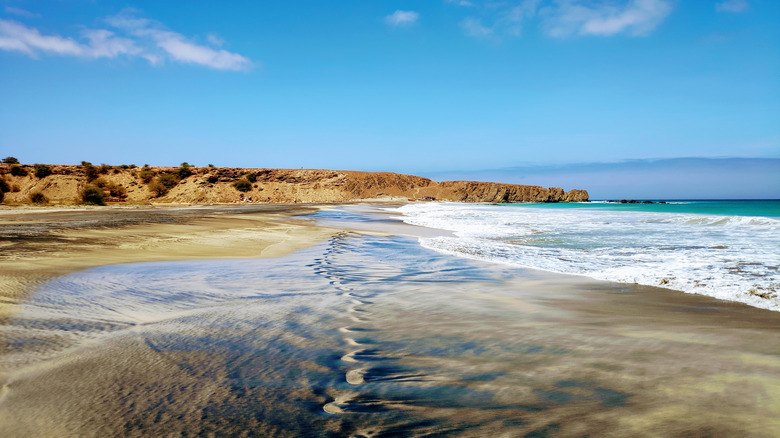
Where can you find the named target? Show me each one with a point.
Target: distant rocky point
(634, 201)
(86, 183)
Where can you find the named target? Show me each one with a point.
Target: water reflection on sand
(375, 336)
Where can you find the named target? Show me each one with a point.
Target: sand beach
(305, 321)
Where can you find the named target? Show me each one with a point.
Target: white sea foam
(733, 258)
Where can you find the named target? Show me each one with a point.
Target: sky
(434, 87)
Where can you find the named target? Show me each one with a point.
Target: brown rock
(284, 186)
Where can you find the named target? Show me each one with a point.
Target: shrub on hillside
(104, 169)
(162, 184)
(242, 185)
(92, 194)
(117, 190)
(251, 177)
(4, 187)
(146, 174)
(38, 198)
(10, 160)
(18, 171)
(185, 170)
(114, 189)
(90, 171)
(212, 178)
(157, 189)
(169, 180)
(41, 170)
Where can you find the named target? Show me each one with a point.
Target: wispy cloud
(21, 12)
(175, 45)
(141, 37)
(733, 6)
(473, 27)
(635, 18)
(465, 3)
(568, 18)
(402, 18)
(15, 36)
(215, 40)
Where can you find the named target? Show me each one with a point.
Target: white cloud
(175, 45)
(103, 43)
(566, 18)
(18, 37)
(21, 12)
(635, 17)
(465, 3)
(734, 6)
(215, 40)
(474, 27)
(143, 38)
(402, 18)
(182, 50)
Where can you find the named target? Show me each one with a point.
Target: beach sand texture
(351, 331)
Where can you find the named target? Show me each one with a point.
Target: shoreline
(377, 326)
(43, 243)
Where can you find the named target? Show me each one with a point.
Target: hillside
(65, 184)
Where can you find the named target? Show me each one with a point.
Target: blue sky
(424, 87)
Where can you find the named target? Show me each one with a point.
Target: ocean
(724, 249)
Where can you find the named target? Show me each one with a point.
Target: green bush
(163, 183)
(90, 171)
(169, 180)
(104, 169)
(4, 187)
(114, 189)
(38, 198)
(157, 189)
(92, 194)
(185, 170)
(251, 177)
(41, 170)
(10, 160)
(18, 171)
(242, 185)
(146, 174)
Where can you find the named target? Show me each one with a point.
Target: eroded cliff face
(471, 191)
(216, 185)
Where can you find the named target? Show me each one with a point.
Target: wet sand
(38, 244)
(368, 334)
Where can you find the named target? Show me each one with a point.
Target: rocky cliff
(66, 184)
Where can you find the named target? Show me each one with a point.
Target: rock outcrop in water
(66, 184)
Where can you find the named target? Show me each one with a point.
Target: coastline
(557, 354)
(42, 243)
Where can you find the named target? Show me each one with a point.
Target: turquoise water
(766, 208)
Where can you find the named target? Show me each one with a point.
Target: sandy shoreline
(369, 332)
(38, 244)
